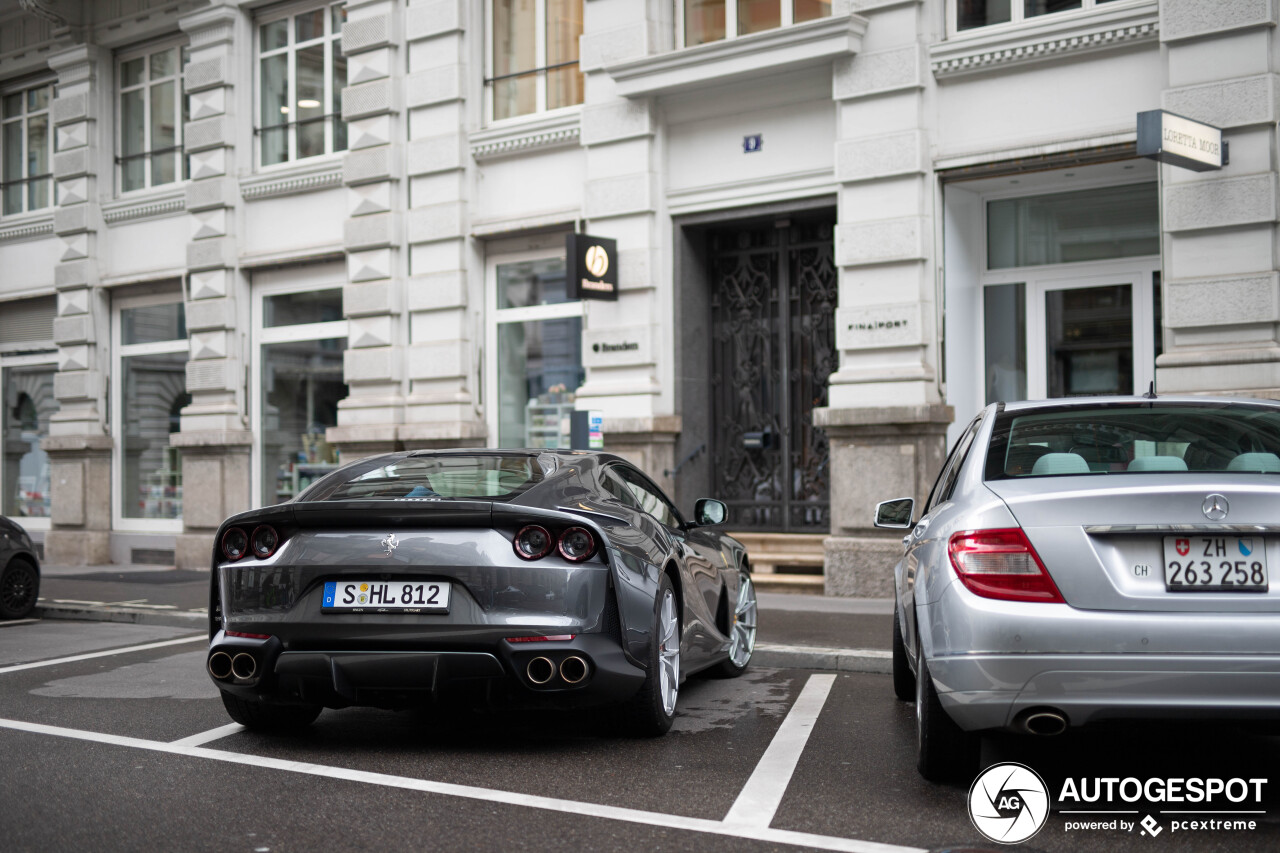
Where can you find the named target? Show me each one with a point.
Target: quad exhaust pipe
(224, 667)
(573, 669)
(220, 665)
(540, 670)
(243, 666)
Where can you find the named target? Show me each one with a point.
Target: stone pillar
(885, 416)
(442, 406)
(648, 442)
(632, 386)
(78, 444)
(876, 455)
(373, 364)
(214, 434)
(1221, 274)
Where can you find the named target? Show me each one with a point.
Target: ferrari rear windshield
(1149, 439)
(481, 477)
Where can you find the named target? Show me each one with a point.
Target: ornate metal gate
(773, 328)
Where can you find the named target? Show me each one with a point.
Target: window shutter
(27, 321)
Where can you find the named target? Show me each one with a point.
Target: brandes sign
(593, 267)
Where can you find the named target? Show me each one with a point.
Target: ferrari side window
(650, 500)
(614, 486)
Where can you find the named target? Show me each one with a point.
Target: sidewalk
(797, 631)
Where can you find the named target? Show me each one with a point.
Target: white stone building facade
(243, 241)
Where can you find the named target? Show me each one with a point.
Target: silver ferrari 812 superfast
(531, 578)
(1087, 560)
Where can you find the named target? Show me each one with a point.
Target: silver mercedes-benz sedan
(1088, 560)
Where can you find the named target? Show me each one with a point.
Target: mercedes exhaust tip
(573, 669)
(243, 666)
(220, 665)
(540, 670)
(1044, 723)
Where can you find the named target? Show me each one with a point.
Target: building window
(150, 391)
(29, 403)
(298, 384)
(1070, 298)
(1072, 227)
(970, 14)
(533, 56)
(537, 342)
(151, 109)
(26, 149)
(702, 21)
(301, 75)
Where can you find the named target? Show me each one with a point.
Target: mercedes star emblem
(1215, 507)
(390, 542)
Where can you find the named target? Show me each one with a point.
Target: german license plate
(1215, 564)
(363, 596)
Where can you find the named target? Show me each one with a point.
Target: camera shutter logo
(597, 261)
(1008, 803)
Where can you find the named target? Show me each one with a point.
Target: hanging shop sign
(1179, 141)
(593, 267)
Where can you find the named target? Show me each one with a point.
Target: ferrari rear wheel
(269, 718)
(650, 712)
(742, 633)
(944, 751)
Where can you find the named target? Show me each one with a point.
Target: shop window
(1072, 227)
(299, 382)
(538, 345)
(150, 389)
(28, 405)
(151, 109)
(301, 75)
(971, 14)
(1004, 311)
(533, 56)
(702, 21)
(301, 388)
(26, 149)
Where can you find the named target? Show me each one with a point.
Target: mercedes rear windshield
(1149, 438)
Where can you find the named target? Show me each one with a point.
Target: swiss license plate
(1215, 564)
(365, 596)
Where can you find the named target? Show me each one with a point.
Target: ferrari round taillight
(234, 543)
(576, 544)
(264, 541)
(532, 542)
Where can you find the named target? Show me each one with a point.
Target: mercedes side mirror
(709, 511)
(895, 514)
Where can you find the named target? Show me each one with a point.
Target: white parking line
(17, 622)
(691, 824)
(205, 737)
(760, 797)
(107, 653)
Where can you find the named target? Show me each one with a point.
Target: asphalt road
(131, 749)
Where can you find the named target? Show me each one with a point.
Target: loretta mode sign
(593, 267)
(1180, 141)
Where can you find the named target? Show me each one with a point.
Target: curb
(198, 620)
(817, 657)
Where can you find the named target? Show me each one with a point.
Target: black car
(526, 577)
(19, 571)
